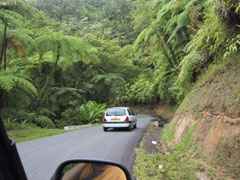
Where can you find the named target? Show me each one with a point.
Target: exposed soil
(228, 156)
(219, 93)
(214, 107)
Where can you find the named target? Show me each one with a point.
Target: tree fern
(13, 19)
(188, 64)
(13, 36)
(109, 78)
(9, 81)
(61, 91)
(211, 39)
(20, 41)
(18, 6)
(65, 46)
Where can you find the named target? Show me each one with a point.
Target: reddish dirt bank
(213, 107)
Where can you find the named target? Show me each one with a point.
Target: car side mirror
(88, 169)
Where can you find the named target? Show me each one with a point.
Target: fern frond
(20, 41)
(188, 65)
(109, 78)
(11, 18)
(61, 91)
(69, 47)
(9, 81)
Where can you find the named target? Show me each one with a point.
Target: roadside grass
(168, 132)
(177, 164)
(21, 135)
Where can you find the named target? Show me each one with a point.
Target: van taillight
(127, 119)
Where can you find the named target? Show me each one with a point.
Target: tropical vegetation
(63, 61)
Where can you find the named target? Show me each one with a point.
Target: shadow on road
(121, 130)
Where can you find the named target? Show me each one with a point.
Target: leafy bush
(88, 113)
(141, 91)
(91, 112)
(70, 117)
(13, 124)
(44, 122)
(229, 12)
(208, 45)
(20, 116)
(24, 119)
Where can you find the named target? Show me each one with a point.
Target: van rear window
(116, 112)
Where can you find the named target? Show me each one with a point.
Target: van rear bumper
(117, 125)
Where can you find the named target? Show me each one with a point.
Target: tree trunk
(2, 101)
(3, 44)
(58, 57)
(54, 73)
(5, 56)
(43, 95)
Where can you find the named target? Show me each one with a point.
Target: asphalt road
(41, 157)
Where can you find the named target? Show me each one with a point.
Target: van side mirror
(88, 169)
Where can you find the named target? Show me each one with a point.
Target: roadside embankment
(202, 141)
(212, 111)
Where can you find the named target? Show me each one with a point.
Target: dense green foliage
(57, 55)
(59, 71)
(177, 42)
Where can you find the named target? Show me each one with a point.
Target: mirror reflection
(92, 171)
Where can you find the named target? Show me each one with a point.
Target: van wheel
(105, 129)
(130, 128)
(135, 126)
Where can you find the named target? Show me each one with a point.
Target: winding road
(41, 157)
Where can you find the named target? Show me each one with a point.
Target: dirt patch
(151, 142)
(213, 135)
(182, 125)
(228, 156)
(215, 128)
